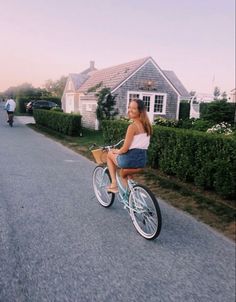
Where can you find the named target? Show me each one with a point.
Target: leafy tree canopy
(56, 88)
(25, 89)
(51, 89)
(216, 93)
(106, 105)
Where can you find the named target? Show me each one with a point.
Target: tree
(23, 90)
(192, 93)
(106, 105)
(216, 93)
(224, 96)
(218, 111)
(56, 88)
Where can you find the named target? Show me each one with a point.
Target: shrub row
(207, 160)
(66, 123)
(194, 124)
(113, 130)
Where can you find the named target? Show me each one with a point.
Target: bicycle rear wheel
(10, 119)
(145, 212)
(101, 180)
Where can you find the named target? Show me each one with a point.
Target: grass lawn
(205, 206)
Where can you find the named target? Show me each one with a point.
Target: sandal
(112, 190)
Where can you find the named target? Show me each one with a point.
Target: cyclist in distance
(133, 153)
(10, 107)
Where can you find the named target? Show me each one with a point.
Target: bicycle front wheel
(145, 212)
(102, 180)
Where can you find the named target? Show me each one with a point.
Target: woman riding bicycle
(133, 153)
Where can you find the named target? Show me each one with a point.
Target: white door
(70, 103)
(149, 103)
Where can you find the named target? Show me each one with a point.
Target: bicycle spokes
(145, 212)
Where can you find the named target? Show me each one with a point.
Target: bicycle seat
(128, 172)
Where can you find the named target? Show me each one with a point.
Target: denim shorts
(134, 158)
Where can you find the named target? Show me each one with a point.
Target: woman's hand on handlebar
(115, 151)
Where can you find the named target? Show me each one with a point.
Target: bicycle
(10, 118)
(137, 199)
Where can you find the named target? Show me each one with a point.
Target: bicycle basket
(100, 156)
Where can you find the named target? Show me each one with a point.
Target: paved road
(58, 244)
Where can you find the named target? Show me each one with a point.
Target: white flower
(222, 128)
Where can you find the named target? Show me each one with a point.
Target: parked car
(42, 104)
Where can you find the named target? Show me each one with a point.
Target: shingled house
(161, 90)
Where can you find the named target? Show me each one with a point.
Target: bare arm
(131, 131)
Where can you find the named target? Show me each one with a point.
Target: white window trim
(152, 94)
(164, 103)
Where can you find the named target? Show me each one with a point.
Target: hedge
(21, 104)
(113, 130)
(66, 123)
(207, 160)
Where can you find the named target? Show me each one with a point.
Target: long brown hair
(143, 116)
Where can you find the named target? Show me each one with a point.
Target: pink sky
(46, 39)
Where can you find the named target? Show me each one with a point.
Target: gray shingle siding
(88, 117)
(161, 85)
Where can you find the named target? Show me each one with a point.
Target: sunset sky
(47, 39)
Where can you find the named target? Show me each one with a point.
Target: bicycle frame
(124, 192)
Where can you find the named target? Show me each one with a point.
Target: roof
(111, 77)
(79, 78)
(176, 83)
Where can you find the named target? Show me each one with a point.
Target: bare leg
(112, 167)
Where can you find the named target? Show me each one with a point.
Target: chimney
(92, 63)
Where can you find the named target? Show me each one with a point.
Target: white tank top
(140, 141)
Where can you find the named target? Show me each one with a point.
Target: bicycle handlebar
(106, 147)
(113, 146)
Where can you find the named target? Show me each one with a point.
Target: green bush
(184, 110)
(207, 160)
(165, 122)
(186, 124)
(201, 125)
(114, 130)
(56, 109)
(217, 112)
(66, 123)
(21, 104)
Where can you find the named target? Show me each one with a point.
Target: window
(159, 103)
(133, 96)
(146, 100)
(155, 102)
